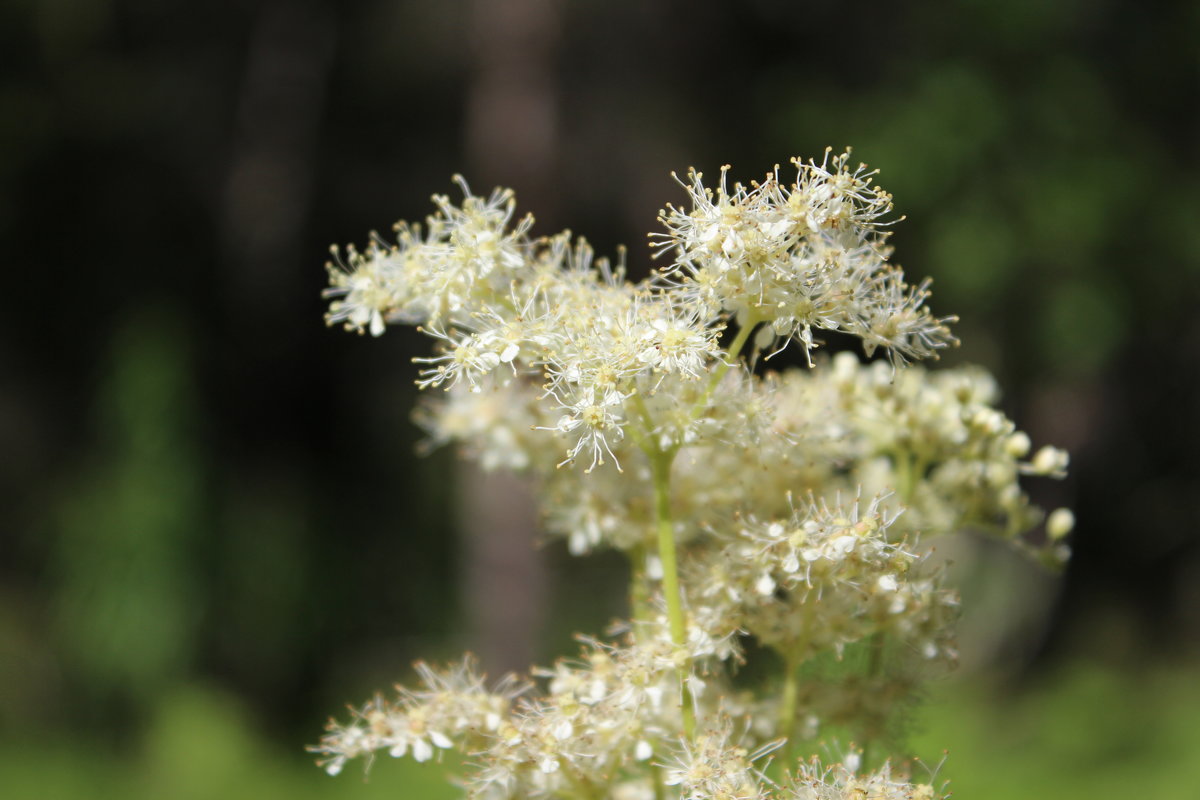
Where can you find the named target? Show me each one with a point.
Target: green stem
(909, 470)
(582, 787)
(656, 778)
(639, 588)
(639, 404)
(660, 463)
(731, 356)
(787, 708)
(906, 472)
(874, 670)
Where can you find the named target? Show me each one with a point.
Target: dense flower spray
(782, 517)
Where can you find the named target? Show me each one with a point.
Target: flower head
(550, 358)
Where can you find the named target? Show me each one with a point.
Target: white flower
(594, 416)
(673, 343)
(366, 288)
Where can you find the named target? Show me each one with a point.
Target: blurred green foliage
(1080, 733)
(200, 744)
(1084, 731)
(129, 526)
(1024, 195)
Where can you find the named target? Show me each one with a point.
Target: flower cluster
(611, 708)
(453, 705)
(824, 578)
(802, 256)
(645, 415)
(840, 782)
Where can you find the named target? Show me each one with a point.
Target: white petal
(654, 568)
(377, 325)
(422, 751)
(843, 544)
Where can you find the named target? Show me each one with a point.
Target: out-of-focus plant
(782, 519)
(128, 602)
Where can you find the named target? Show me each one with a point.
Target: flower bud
(1017, 445)
(1060, 523)
(1050, 460)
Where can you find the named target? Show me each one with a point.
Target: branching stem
(731, 357)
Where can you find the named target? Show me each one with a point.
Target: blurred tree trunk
(511, 140)
(268, 189)
(265, 204)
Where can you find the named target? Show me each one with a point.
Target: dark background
(201, 485)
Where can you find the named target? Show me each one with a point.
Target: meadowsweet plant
(783, 605)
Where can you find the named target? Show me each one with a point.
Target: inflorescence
(787, 512)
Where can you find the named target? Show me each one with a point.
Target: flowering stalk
(786, 509)
(789, 704)
(660, 462)
(735, 351)
(874, 671)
